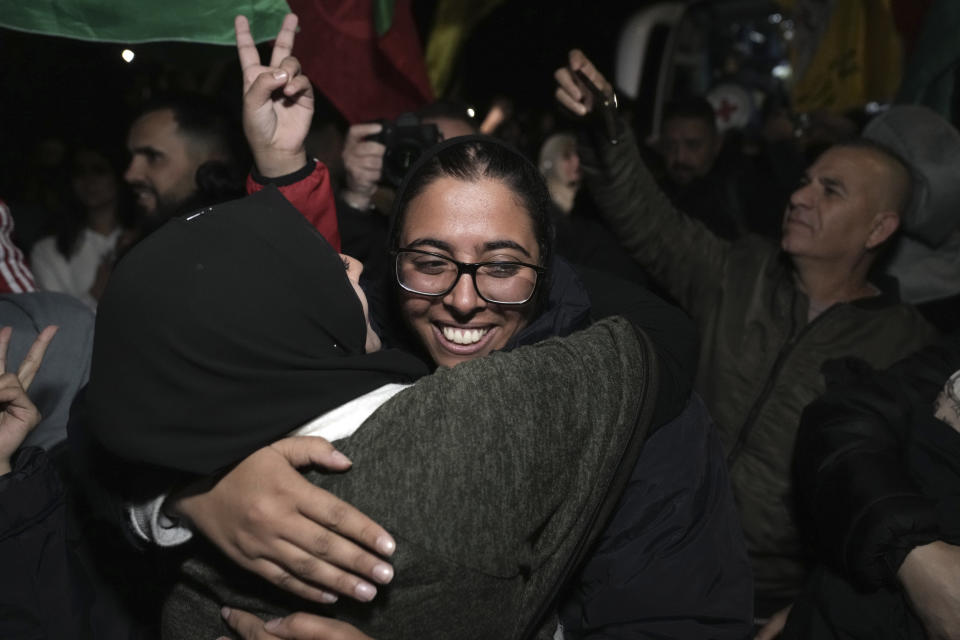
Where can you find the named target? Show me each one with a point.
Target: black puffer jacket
(872, 475)
(877, 475)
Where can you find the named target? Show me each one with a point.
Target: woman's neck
(103, 219)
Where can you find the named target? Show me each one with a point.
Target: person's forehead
(853, 166)
(156, 128)
(482, 208)
(686, 127)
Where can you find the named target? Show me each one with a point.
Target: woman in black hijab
(240, 320)
(231, 327)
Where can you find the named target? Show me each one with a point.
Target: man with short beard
(183, 156)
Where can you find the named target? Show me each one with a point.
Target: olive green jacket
(494, 477)
(759, 357)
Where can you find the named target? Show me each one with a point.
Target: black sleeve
(676, 525)
(672, 332)
(38, 591)
(856, 494)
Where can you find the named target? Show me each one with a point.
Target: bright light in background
(127, 55)
(783, 71)
(775, 18)
(471, 112)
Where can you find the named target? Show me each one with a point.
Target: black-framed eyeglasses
(432, 274)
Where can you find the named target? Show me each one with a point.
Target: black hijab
(223, 331)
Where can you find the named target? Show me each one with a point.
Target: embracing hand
(270, 520)
(277, 101)
(297, 626)
(18, 415)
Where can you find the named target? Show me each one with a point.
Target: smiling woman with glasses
(472, 251)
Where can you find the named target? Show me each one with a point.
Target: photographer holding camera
(370, 148)
(375, 158)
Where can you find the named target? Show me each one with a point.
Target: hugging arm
(265, 516)
(680, 253)
(540, 460)
(277, 112)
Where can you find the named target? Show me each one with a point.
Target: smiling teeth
(463, 336)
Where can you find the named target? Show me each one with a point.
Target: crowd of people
(569, 392)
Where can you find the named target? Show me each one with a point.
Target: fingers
(298, 87)
(571, 90)
(301, 451)
(283, 46)
(284, 579)
(263, 86)
(31, 363)
(249, 626)
(358, 133)
(5, 334)
(348, 521)
(287, 77)
(299, 626)
(304, 573)
(11, 389)
(319, 556)
(580, 64)
(308, 626)
(246, 48)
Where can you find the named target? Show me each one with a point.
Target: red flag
(365, 76)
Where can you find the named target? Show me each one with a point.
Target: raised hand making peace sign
(18, 415)
(277, 101)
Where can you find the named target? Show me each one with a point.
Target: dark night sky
(56, 85)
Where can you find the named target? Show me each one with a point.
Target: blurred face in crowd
(690, 147)
(470, 222)
(93, 180)
(846, 204)
(559, 160)
(354, 268)
(163, 164)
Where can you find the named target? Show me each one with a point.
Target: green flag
(130, 21)
(382, 15)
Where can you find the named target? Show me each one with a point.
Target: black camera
(405, 139)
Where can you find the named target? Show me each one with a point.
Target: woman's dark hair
(474, 158)
(470, 159)
(71, 222)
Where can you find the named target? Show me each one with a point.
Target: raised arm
(18, 415)
(679, 253)
(277, 114)
(277, 101)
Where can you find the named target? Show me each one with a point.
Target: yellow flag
(855, 59)
(453, 22)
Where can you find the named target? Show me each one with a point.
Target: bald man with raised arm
(769, 316)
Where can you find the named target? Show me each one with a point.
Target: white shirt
(75, 276)
(148, 520)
